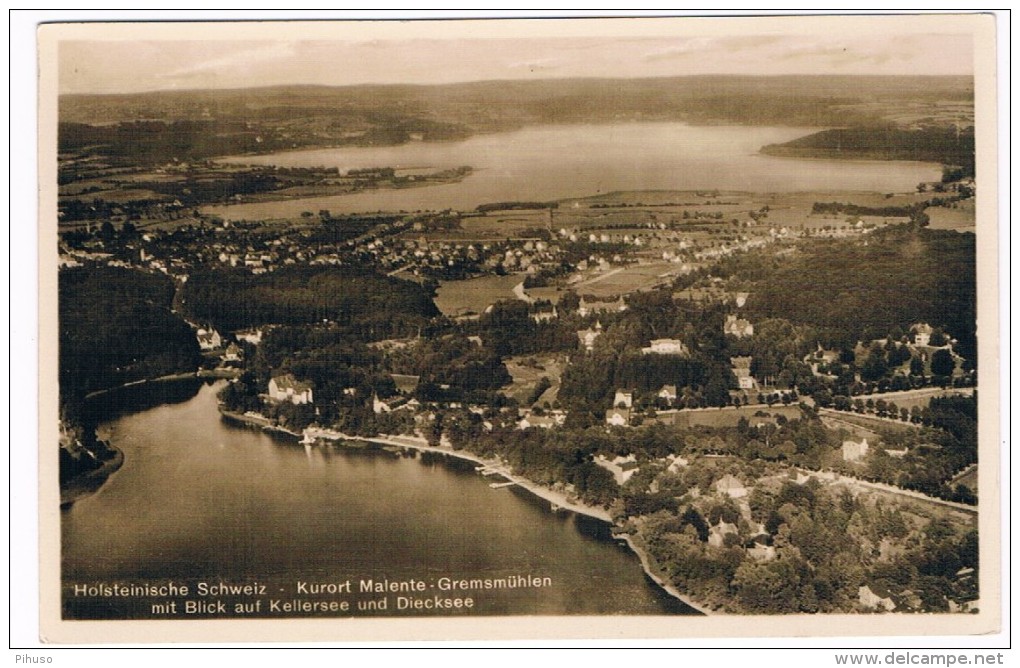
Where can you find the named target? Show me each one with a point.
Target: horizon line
(156, 91)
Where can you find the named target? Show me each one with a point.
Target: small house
(587, 307)
(587, 336)
(742, 370)
(738, 327)
(378, 405)
(875, 597)
(544, 313)
(622, 468)
(761, 552)
(668, 394)
(233, 353)
(618, 417)
(252, 336)
(209, 339)
(623, 399)
(730, 486)
(854, 451)
(405, 384)
(717, 534)
(922, 334)
(531, 420)
(666, 347)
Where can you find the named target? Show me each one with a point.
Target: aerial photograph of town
(674, 322)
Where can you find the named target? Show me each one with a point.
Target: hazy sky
(140, 65)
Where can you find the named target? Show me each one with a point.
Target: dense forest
(116, 326)
(865, 289)
(370, 305)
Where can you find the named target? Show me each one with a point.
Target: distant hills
(280, 117)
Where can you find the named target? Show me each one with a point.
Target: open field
(856, 430)
(961, 218)
(474, 295)
(503, 224)
(550, 294)
(627, 279)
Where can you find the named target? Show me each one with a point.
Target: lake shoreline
(257, 422)
(648, 565)
(558, 500)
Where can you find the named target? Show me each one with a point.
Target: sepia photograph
(549, 328)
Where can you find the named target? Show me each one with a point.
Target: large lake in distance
(198, 499)
(555, 162)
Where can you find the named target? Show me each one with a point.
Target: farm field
(455, 298)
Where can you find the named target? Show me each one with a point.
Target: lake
(201, 503)
(563, 161)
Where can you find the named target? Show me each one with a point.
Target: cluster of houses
(738, 327)
(177, 253)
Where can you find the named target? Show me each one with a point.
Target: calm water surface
(200, 500)
(563, 161)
